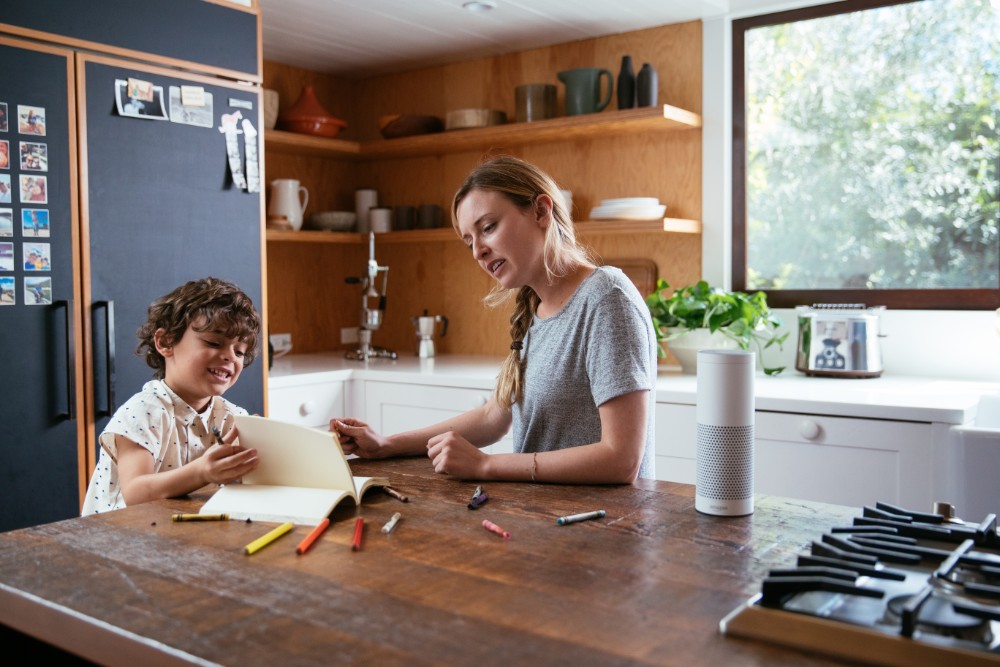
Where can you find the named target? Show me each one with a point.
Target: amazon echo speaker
(725, 416)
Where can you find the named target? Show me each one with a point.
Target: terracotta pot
(307, 116)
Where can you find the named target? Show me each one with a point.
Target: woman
(578, 383)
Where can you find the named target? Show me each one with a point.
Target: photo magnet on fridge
(137, 108)
(199, 115)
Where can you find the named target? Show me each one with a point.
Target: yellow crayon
(264, 540)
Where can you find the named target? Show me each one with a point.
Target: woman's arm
(220, 464)
(615, 459)
(478, 427)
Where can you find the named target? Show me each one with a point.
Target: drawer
(308, 405)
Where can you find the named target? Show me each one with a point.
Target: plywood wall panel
(441, 276)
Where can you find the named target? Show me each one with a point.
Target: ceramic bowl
(332, 221)
(318, 126)
(408, 125)
(461, 119)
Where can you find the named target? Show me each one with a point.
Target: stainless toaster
(839, 340)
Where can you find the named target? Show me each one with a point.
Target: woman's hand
(356, 437)
(453, 455)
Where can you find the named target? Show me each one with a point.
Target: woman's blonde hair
(522, 182)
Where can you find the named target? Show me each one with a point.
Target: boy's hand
(228, 462)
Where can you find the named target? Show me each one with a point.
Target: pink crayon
(493, 528)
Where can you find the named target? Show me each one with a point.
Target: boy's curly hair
(216, 305)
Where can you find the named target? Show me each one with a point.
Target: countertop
(646, 585)
(904, 398)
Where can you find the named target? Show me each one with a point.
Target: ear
(159, 339)
(543, 210)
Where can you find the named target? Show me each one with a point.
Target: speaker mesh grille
(725, 462)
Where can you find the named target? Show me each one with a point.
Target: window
(866, 153)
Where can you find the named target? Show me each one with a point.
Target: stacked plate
(628, 208)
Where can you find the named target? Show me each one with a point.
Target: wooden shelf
(584, 228)
(567, 128)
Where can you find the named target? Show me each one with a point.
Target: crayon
(359, 529)
(395, 494)
(586, 516)
(493, 528)
(200, 517)
(312, 536)
(267, 538)
(391, 523)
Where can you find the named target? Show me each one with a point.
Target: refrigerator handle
(70, 361)
(109, 351)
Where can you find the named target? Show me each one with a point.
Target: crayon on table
(395, 494)
(200, 517)
(585, 516)
(479, 500)
(359, 529)
(267, 538)
(312, 537)
(391, 523)
(493, 528)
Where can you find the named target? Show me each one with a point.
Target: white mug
(288, 199)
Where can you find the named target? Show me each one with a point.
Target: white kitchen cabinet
(308, 404)
(816, 457)
(391, 407)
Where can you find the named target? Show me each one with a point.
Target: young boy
(178, 433)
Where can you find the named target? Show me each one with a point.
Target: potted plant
(699, 316)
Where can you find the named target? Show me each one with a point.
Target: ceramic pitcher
(583, 90)
(288, 199)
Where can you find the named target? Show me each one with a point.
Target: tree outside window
(867, 152)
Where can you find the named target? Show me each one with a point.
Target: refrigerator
(119, 181)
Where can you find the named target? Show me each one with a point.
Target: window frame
(907, 299)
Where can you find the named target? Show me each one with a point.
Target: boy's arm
(220, 464)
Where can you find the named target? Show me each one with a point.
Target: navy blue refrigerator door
(40, 404)
(161, 208)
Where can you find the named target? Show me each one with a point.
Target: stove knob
(809, 429)
(947, 510)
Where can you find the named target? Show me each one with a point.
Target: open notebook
(303, 474)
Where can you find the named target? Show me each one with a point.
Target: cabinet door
(676, 443)
(393, 407)
(842, 460)
(308, 405)
(40, 404)
(826, 459)
(161, 209)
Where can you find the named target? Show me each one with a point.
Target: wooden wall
(307, 292)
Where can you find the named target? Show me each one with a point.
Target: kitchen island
(647, 584)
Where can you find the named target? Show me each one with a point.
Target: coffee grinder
(372, 308)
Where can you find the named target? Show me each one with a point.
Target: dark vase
(646, 86)
(626, 84)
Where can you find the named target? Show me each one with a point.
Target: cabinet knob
(809, 429)
(307, 408)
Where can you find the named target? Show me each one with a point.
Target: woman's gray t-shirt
(601, 345)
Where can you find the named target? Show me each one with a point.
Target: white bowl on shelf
(626, 212)
(631, 201)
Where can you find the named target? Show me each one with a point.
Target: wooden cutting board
(642, 272)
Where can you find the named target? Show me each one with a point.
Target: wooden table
(648, 584)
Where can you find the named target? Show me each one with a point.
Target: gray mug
(583, 89)
(430, 216)
(535, 101)
(405, 218)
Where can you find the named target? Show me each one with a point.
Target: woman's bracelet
(534, 465)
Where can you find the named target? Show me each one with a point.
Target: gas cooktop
(897, 587)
